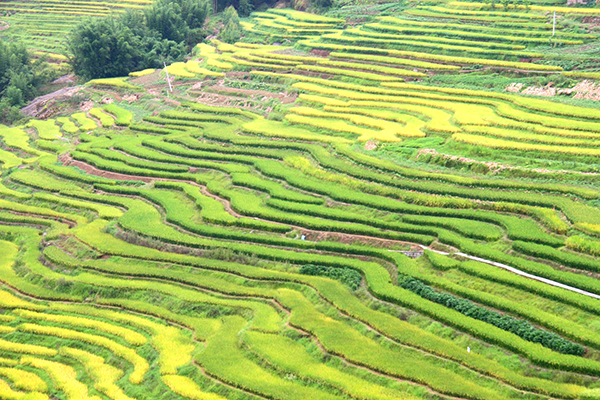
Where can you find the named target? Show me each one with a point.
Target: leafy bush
(109, 47)
(347, 276)
(177, 20)
(232, 31)
(20, 78)
(519, 327)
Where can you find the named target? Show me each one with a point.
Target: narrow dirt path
(518, 272)
(309, 234)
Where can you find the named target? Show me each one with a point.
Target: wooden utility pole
(168, 79)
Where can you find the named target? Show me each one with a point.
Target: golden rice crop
(63, 377)
(132, 337)
(140, 365)
(24, 380)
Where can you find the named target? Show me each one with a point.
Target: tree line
(163, 32)
(20, 78)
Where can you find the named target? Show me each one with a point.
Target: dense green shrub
(345, 275)
(20, 78)
(519, 327)
(177, 20)
(110, 47)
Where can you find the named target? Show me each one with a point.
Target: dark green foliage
(20, 78)
(112, 47)
(519, 327)
(176, 20)
(232, 31)
(347, 276)
(109, 47)
(245, 7)
(230, 14)
(104, 48)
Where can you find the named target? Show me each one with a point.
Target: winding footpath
(519, 272)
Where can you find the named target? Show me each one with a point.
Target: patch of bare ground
(591, 21)
(146, 80)
(586, 89)
(320, 53)
(370, 145)
(107, 99)
(4, 25)
(46, 106)
(63, 80)
(86, 106)
(214, 99)
(262, 95)
(546, 91)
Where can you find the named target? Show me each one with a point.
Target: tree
(104, 48)
(20, 78)
(245, 7)
(322, 4)
(232, 31)
(166, 19)
(230, 14)
(109, 47)
(174, 20)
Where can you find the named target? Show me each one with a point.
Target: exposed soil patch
(370, 145)
(586, 89)
(262, 95)
(146, 80)
(131, 98)
(104, 93)
(87, 106)
(4, 25)
(63, 80)
(546, 91)
(44, 107)
(592, 21)
(214, 99)
(320, 53)
(65, 158)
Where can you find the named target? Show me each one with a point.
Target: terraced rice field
(248, 235)
(43, 26)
